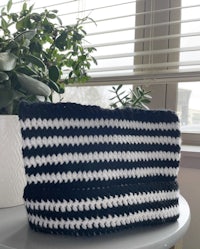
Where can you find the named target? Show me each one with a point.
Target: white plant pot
(12, 175)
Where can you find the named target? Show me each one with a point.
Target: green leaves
(33, 86)
(34, 60)
(77, 36)
(24, 7)
(51, 15)
(54, 73)
(140, 98)
(7, 61)
(9, 5)
(136, 98)
(4, 24)
(26, 70)
(6, 97)
(60, 41)
(35, 51)
(28, 34)
(3, 77)
(24, 22)
(54, 76)
(36, 17)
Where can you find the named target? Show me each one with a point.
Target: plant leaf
(3, 77)
(113, 98)
(146, 101)
(51, 15)
(118, 88)
(34, 60)
(24, 7)
(9, 5)
(54, 73)
(36, 17)
(14, 16)
(59, 20)
(148, 96)
(54, 86)
(144, 106)
(4, 24)
(26, 70)
(94, 60)
(22, 23)
(6, 97)
(7, 61)
(60, 41)
(33, 86)
(29, 34)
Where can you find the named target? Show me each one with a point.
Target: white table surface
(16, 234)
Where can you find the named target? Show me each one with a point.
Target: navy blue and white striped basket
(92, 171)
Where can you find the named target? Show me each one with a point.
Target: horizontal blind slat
(156, 65)
(140, 79)
(150, 52)
(145, 27)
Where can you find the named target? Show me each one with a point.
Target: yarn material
(93, 171)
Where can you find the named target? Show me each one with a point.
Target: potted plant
(38, 56)
(134, 98)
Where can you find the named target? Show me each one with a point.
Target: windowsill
(190, 150)
(190, 156)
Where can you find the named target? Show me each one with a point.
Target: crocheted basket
(92, 171)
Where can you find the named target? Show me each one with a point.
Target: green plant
(136, 97)
(39, 55)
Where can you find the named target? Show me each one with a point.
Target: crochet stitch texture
(93, 171)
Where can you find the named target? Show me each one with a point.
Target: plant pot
(12, 176)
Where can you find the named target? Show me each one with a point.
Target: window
(188, 104)
(147, 42)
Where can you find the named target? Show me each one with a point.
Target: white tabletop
(16, 234)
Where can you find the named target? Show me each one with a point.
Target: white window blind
(138, 41)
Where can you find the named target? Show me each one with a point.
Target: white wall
(189, 183)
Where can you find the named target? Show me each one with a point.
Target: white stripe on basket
(102, 156)
(105, 221)
(95, 123)
(102, 202)
(101, 175)
(35, 142)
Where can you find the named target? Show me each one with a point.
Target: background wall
(189, 182)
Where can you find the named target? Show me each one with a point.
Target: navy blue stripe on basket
(55, 150)
(71, 110)
(67, 191)
(94, 131)
(88, 166)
